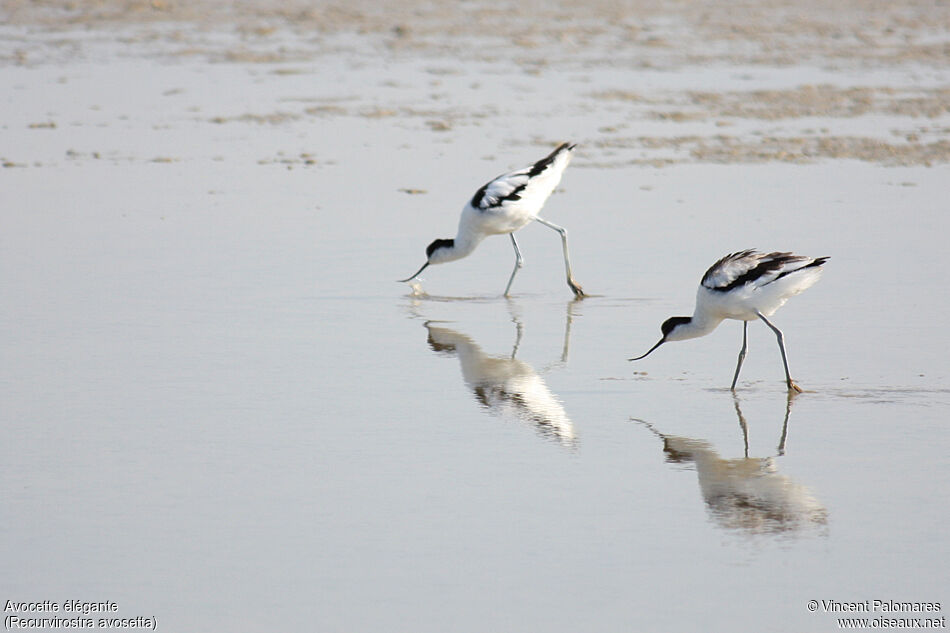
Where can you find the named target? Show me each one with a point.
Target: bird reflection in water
(747, 494)
(508, 387)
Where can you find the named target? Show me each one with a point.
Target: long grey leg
(519, 262)
(745, 346)
(781, 345)
(575, 287)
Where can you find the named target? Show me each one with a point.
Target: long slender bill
(662, 340)
(416, 275)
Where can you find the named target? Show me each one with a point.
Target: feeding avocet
(504, 205)
(744, 286)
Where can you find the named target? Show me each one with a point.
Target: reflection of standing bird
(505, 205)
(745, 286)
(506, 386)
(747, 493)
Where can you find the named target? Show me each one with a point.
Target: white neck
(463, 245)
(466, 241)
(700, 324)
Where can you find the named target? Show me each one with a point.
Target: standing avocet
(744, 286)
(504, 205)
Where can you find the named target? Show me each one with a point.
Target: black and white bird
(745, 286)
(504, 205)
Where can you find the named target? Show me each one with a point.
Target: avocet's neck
(466, 240)
(700, 324)
(451, 250)
(448, 250)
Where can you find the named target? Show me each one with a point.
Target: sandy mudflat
(862, 80)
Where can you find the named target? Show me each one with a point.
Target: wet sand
(757, 82)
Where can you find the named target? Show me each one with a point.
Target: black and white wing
(538, 180)
(749, 266)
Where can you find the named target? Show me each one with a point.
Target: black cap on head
(437, 244)
(671, 323)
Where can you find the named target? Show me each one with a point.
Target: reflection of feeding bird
(745, 286)
(506, 386)
(746, 493)
(504, 205)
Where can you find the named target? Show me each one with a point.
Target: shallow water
(221, 411)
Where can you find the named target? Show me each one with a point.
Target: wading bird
(504, 205)
(744, 286)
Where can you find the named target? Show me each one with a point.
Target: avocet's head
(436, 253)
(673, 330)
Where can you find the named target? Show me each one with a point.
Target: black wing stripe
(812, 264)
(542, 164)
(715, 267)
(515, 194)
(477, 198)
(769, 264)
